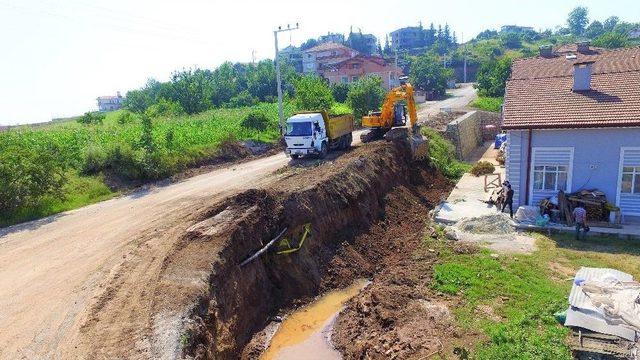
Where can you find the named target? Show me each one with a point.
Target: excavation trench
(353, 205)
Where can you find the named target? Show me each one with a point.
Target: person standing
(580, 217)
(508, 200)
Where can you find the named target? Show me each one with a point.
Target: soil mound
(490, 224)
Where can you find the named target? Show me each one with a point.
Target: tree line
(229, 85)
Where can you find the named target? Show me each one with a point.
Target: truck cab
(306, 135)
(315, 133)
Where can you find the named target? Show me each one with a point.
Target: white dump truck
(315, 133)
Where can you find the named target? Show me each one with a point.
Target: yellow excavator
(398, 104)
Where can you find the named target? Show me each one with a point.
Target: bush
(124, 162)
(340, 109)
(164, 108)
(28, 174)
(125, 117)
(312, 93)
(340, 92)
(92, 118)
(488, 103)
(483, 168)
(242, 99)
(441, 155)
(366, 95)
(611, 40)
(95, 159)
(256, 120)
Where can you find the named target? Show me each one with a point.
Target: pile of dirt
(440, 120)
(499, 224)
(397, 316)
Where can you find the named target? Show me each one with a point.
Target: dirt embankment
(340, 200)
(367, 209)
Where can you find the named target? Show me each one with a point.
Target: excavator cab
(399, 114)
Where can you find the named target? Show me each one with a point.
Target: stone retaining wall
(472, 129)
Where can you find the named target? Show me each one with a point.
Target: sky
(57, 57)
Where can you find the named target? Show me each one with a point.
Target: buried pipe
(264, 249)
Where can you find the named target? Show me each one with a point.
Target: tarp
(605, 301)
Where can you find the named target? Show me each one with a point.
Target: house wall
(389, 74)
(596, 157)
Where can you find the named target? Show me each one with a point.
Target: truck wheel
(323, 151)
(348, 141)
(295, 156)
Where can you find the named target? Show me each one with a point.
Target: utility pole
(464, 56)
(278, 77)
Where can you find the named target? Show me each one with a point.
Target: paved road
(459, 98)
(52, 269)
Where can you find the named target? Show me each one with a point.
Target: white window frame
(533, 165)
(544, 176)
(635, 172)
(620, 166)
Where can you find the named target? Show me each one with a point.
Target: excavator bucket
(411, 138)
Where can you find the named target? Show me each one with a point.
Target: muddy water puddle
(305, 333)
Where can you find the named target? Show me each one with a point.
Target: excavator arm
(385, 119)
(382, 123)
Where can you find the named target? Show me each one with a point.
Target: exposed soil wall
(343, 201)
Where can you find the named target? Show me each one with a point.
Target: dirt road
(55, 272)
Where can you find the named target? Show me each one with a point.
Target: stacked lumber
(594, 201)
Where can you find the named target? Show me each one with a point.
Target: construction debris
(604, 313)
(491, 224)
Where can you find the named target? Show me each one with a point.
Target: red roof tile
(539, 93)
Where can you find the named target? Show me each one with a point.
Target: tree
(92, 118)
(308, 44)
(340, 91)
(193, 89)
(511, 40)
(261, 81)
(312, 93)
(611, 40)
(578, 20)
(387, 46)
(366, 95)
(225, 84)
(446, 34)
(428, 74)
(137, 100)
(594, 30)
(487, 34)
(492, 77)
(610, 23)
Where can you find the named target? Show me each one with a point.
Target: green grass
(179, 143)
(79, 191)
(524, 291)
(488, 103)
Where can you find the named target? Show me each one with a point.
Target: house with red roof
(315, 59)
(352, 69)
(573, 123)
